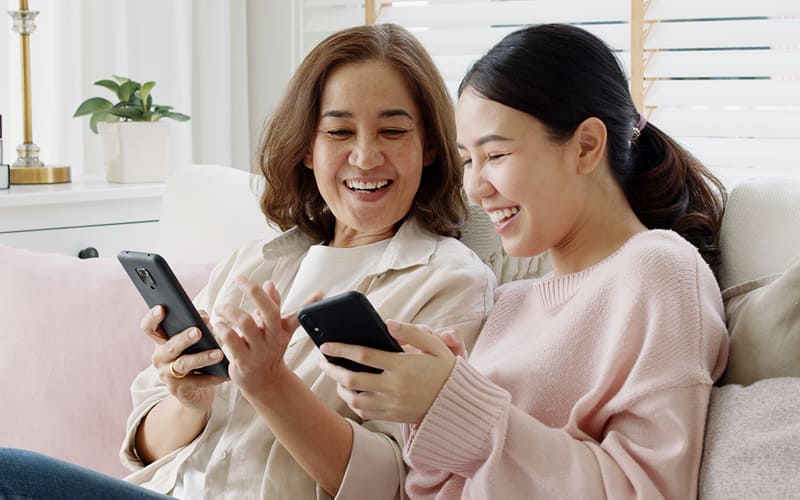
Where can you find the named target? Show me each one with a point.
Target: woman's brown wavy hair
(562, 75)
(291, 198)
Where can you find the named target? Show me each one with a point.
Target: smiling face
(368, 152)
(525, 180)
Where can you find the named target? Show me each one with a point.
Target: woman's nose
(366, 154)
(475, 184)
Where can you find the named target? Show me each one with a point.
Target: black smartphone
(158, 285)
(350, 318)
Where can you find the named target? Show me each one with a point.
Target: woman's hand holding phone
(409, 383)
(193, 390)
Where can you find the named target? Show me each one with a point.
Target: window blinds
(721, 76)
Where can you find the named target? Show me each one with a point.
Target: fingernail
(157, 311)
(241, 280)
(393, 326)
(324, 349)
(194, 333)
(215, 355)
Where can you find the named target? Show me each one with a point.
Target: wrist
(274, 386)
(183, 411)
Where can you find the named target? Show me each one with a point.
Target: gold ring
(175, 373)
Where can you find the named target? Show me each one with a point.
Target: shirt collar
(412, 245)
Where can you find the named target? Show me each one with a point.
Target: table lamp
(29, 169)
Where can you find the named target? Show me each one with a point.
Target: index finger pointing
(264, 297)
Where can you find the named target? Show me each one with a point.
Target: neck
(604, 224)
(345, 237)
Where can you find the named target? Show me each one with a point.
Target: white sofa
(72, 345)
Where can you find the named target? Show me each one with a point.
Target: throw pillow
(764, 325)
(71, 346)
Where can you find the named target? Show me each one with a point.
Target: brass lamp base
(40, 175)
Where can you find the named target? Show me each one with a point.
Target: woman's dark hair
(562, 75)
(291, 197)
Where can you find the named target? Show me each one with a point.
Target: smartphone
(350, 318)
(157, 284)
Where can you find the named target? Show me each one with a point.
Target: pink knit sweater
(584, 386)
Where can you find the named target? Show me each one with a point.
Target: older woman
(363, 176)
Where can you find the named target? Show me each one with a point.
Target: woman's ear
(591, 135)
(428, 156)
(308, 161)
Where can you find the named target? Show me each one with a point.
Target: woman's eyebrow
(486, 138)
(335, 113)
(395, 112)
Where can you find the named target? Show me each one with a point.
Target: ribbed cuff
(455, 435)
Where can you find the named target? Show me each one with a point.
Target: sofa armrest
(752, 441)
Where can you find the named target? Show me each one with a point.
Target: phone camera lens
(308, 323)
(145, 277)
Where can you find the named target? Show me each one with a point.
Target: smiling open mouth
(497, 216)
(367, 187)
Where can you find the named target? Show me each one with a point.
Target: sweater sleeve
(474, 439)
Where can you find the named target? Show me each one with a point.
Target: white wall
(271, 38)
(224, 62)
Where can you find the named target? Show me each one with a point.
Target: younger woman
(593, 381)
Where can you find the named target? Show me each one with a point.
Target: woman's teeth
(501, 215)
(366, 186)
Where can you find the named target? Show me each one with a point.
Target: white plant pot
(135, 151)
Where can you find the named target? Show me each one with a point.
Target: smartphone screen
(157, 284)
(350, 318)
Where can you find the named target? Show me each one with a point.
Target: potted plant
(136, 142)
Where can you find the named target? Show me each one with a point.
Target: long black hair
(562, 75)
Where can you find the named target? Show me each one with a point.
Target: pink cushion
(71, 345)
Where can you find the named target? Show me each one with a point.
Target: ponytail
(668, 188)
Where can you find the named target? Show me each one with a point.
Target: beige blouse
(421, 278)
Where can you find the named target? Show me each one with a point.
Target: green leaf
(130, 112)
(101, 116)
(109, 84)
(176, 116)
(126, 90)
(92, 105)
(144, 93)
(135, 103)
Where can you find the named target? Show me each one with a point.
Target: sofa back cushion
(760, 230)
(208, 211)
